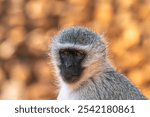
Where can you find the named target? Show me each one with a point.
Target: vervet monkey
(84, 71)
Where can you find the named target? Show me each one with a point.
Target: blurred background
(27, 28)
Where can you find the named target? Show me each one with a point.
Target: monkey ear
(50, 47)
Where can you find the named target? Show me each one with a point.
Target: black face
(71, 61)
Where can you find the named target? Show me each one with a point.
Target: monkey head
(75, 50)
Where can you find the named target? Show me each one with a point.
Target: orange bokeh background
(27, 28)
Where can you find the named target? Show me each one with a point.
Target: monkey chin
(71, 80)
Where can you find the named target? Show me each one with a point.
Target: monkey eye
(80, 54)
(63, 52)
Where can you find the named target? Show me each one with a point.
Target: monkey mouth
(71, 75)
(71, 78)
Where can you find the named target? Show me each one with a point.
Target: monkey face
(71, 64)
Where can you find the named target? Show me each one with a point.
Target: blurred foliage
(27, 27)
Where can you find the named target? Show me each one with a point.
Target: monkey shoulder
(110, 85)
(114, 85)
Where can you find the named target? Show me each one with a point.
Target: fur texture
(99, 80)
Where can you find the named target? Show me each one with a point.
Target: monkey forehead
(78, 35)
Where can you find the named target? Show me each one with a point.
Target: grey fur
(79, 38)
(107, 83)
(111, 85)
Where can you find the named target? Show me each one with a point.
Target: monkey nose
(68, 64)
